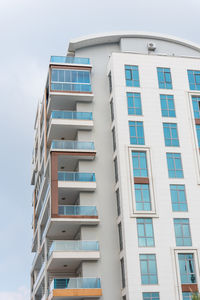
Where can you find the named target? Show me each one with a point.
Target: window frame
(148, 274)
(133, 100)
(179, 225)
(170, 140)
(138, 124)
(135, 82)
(145, 238)
(178, 191)
(174, 164)
(168, 109)
(163, 84)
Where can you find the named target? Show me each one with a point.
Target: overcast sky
(31, 31)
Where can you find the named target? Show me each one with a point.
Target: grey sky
(30, 31)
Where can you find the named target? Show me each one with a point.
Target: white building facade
(116, 171)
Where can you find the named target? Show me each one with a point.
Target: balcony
(68, 255)
(69, 85)
(71, 217)
(70, 60)
(78, 288)
(77, 181)
(64, 124)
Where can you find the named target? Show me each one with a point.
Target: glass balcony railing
(76, 176)
(75, 283)
(70, 60)
(71, 87)
(77, 210)
(73, 246)
(71, 115)
(74, 145)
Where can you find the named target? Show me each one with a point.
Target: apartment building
(116, 171)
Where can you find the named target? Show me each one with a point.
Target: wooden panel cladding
(70, 67)
(141, 180)
(74, 153)
(77, 293)
(197, 121)
(74, 217)
(189, 287)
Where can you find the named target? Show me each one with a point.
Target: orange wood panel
(141, 180)
(77, 292)
(189, 287)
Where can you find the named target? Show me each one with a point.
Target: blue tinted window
(134, 104)
(194, 79)
(151, 296)
(70, 80)
(171, 134)
(167, 105)
(198, 134)
(136, 133)
(196, 106)
(142, 197)
(145, 232)
(175, 169)
(187, 269)
(139, 164)
(178, 197)
(164, 78)
(132, 76)
(182, 232)
(148, 269)
(187, 296)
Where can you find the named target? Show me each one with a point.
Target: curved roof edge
(107, 38)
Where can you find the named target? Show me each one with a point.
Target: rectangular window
(123, 273)
(118, 203)
(139, 164)
(167, 106)
(187, 269)
(198, 134)
(196, 106)
(132, 76)
(145, 232)
(110, 82)
(187, 296)
(134, 104)
(182, 232)
(116, 169)
(142, 197)
(164, 78)
(70, 80)
(175, 169)
(136, 133)
(194, 79)
(120, 236)
(151, 296)
(178, 197)
(114, 139)
(112, 110)
(171, 134)
(148, 269)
